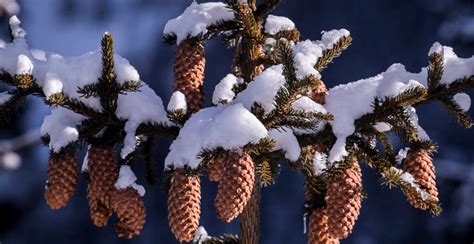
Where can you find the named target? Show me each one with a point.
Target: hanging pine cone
(215, 168)
(188, 70)
(420, 166)
(131, 213)
(319, 91)
(62, 179)
(235, 187)
(184, 204)
(318, 231)
(103, 174)
(343, 200)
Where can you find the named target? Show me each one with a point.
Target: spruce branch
(265, 8)
(9, 109)
(459, 115)
(223, 239)
(435, 70)
(153, 128)
(107, 87)
(329, 54)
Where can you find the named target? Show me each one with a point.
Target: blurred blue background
(384, 32)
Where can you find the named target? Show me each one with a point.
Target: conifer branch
(107, 87)
(459, 115)
(265, 8)
(224, 239)
(9, 109)
(334, 52)
(435, 70)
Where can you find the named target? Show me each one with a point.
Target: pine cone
(318, 231)
(215, 168)
(62, 179)
(343, 201)
(188, 69)
(235, 187)
(184, 205)
(103, 174)
(319, 92)
(130, 209)
(420, 166)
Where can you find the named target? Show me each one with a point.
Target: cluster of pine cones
(236, 176)
(335, 220)
(104, 199)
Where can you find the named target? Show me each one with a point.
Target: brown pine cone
(103, 174)
(343, 200)
(235, 187)
(420, 166)
(131, 213)
(188, 70)
(184, 205)
(215, 168)
(62, 179)
(319, 92)
(318, 231)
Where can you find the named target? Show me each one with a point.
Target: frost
(305, 56)
(137, 108)
(319, 162)
(275, 24)
(227, 126)
(223, 92)
(263, 89)
(286, 141)
(60, 126)
(197, 18)
(127, 179)
(4, 97)
(463, 100)
(24, 65)
(177, 101)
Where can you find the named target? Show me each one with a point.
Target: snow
(9, 6)
(422, 135)
(350, 101)
(263, 89)
(10, 160)
(223, 92)
(436, 48)
(201, 235)
(16, 30)
(177, 101)
(408, 178)
(305, 56)
(127, 179)
(462, 99)
(24, 65)
(455, 67)
(60, 126)
(85, 162)
(227, 126)
(329, 38)
(137, 108)
(286, 141)
(382, 127)
(275, 24)
(4, 97)
(308, 105)
(319, 162)
(402, 154)
(197, 18)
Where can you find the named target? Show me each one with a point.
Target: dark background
(384, 32)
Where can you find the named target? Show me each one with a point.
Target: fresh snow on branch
(275, 24)
(60, 126)
(320, 161)
(177, 101)
(196, 19)
(223, 92)
(286, 141)
(305, 56)
(127, 179)
(462, 99)
(228, 126)
(329, 38)
(55, 74)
